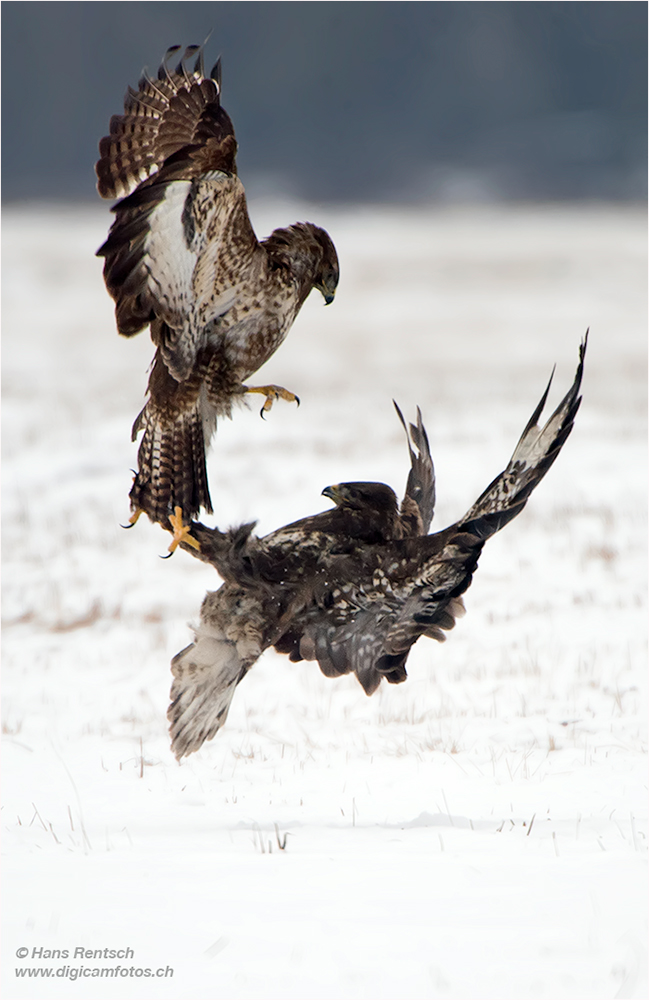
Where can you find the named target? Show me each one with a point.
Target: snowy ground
(478, 832)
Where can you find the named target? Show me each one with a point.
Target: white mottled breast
(259, 322)
(223, 242)
(168, 260)
(211, 278)
(192, 270)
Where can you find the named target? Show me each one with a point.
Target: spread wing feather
(178, 109)
(443, 566)
(206, 674)
(534, 454)
(420, 486)
(171, 158)
(229, 639)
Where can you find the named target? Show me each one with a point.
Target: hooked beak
(328, 290)
(333, 492)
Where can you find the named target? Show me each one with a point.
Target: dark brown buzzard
(183, 259)
(353, 587)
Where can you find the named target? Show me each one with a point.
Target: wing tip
(570, 396)
(400, 415)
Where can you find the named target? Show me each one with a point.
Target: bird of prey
(353, 587)
(182, 258)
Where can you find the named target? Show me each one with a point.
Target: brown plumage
(183, 259)
(353, 587)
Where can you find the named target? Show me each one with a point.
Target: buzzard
(182, 258)
(353, 587)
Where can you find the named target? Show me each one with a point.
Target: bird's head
(370, 498)
(328, 271)
(309, 253)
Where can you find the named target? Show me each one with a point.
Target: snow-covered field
(478, 832)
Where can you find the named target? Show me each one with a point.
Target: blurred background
(349, 102)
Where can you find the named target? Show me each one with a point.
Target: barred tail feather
(172, 470)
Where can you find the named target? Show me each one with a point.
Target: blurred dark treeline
(400, 102)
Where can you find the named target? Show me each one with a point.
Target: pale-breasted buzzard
(182, 258)
(353, 587)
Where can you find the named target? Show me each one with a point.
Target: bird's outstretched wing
(179, 109)
(237, 623)
(182, 231)
(206, 674)
(440, 567)
(414, 587)
(534, 454)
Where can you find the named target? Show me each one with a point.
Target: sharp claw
(272, 393)
(132, 519)
(268, 405)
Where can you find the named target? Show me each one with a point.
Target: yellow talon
(181, 532)
(272, 392)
